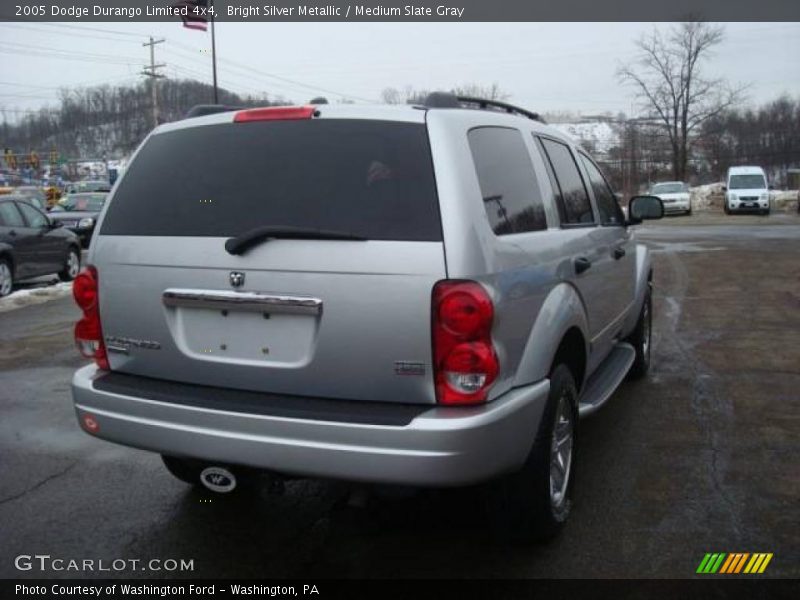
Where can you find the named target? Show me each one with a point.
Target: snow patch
(35, 295)
(598, 135)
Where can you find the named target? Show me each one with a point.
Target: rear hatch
(331, 300)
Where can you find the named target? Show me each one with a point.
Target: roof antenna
(319, 100)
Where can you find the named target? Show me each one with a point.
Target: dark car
(79, 212)
(32, 245)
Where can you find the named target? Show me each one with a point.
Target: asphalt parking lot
(701, 456)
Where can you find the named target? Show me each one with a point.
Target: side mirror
(56, 224)
(644, 207)
(724, 188)
(771, 188)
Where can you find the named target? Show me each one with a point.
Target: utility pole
(154, 75)
(214, 55)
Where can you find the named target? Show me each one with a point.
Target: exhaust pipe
(218, 479)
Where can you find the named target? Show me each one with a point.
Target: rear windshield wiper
(242, 243)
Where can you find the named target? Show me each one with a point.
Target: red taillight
(274, 113)
(465, 363)
(84, 289)
(88, 331)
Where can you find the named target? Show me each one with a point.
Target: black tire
(6, 277)
(522, 507)
(642, 337)
(70, 271)
(185, 469)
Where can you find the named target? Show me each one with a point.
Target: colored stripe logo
(734, 563)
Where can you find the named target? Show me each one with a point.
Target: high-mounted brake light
(465, 362)
(274, 113)
(88, 331)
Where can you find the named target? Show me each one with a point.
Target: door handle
(581, 264)
(619, 252)
(12, 232)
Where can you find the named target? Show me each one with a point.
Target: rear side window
(573, 204)
(9, 215)
(373, 179)
(509, 189)
(607, 205)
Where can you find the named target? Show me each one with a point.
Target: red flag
(197, 14)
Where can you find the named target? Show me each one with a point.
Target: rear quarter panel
(525, 273)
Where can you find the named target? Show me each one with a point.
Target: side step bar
(605, 380)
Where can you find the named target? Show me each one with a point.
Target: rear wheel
(72, 266)
(6, 277)
(534, 503)
(641, 338)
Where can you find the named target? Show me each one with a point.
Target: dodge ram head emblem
(236, 278)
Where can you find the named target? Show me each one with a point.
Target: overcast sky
(544, 66)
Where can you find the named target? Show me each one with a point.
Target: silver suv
(421, 295)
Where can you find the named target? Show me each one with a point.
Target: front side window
(34, 218)
(508, 185)
(573, 201)
(607, 205)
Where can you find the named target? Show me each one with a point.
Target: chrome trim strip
(249, 301)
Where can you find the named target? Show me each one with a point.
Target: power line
(250, 69)
(64, 33)
(98, 29)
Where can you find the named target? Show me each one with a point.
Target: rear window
(373, 179)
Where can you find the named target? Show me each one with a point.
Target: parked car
(77, 187)
(34, 195)
(675, 196)
(79, 212)
(426, 295)
(31, 245)
(745, 190)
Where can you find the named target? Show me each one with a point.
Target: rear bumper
(439, 447)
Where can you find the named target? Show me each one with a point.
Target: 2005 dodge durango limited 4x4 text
(421, 295)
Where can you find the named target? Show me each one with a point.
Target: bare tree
(409, 95)
(487, 92)
(668, 79)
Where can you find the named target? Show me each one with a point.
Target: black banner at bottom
(464, 589)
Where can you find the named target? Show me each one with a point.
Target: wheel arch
(7, 252)
(644, 278)
(560, 326)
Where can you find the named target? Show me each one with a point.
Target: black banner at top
(405, 10)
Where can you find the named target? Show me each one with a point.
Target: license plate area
(246, 328)
(245, 336)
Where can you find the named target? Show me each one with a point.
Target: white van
(746, 190)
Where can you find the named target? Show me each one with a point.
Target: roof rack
(201, 110)
(448, 100)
